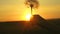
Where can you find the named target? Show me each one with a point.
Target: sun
(28, 16)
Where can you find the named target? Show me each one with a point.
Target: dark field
(38, 26)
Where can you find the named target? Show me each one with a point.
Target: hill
(37, 25)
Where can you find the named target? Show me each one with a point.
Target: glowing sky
(11, 10)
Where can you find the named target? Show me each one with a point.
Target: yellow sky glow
(14, 10)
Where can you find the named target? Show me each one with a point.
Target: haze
(11, 10)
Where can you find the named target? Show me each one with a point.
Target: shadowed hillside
(37, 25)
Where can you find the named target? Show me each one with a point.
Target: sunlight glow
(28, 16)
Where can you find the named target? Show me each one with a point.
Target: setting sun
(28, 16)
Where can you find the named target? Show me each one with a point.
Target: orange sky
(11, 10)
